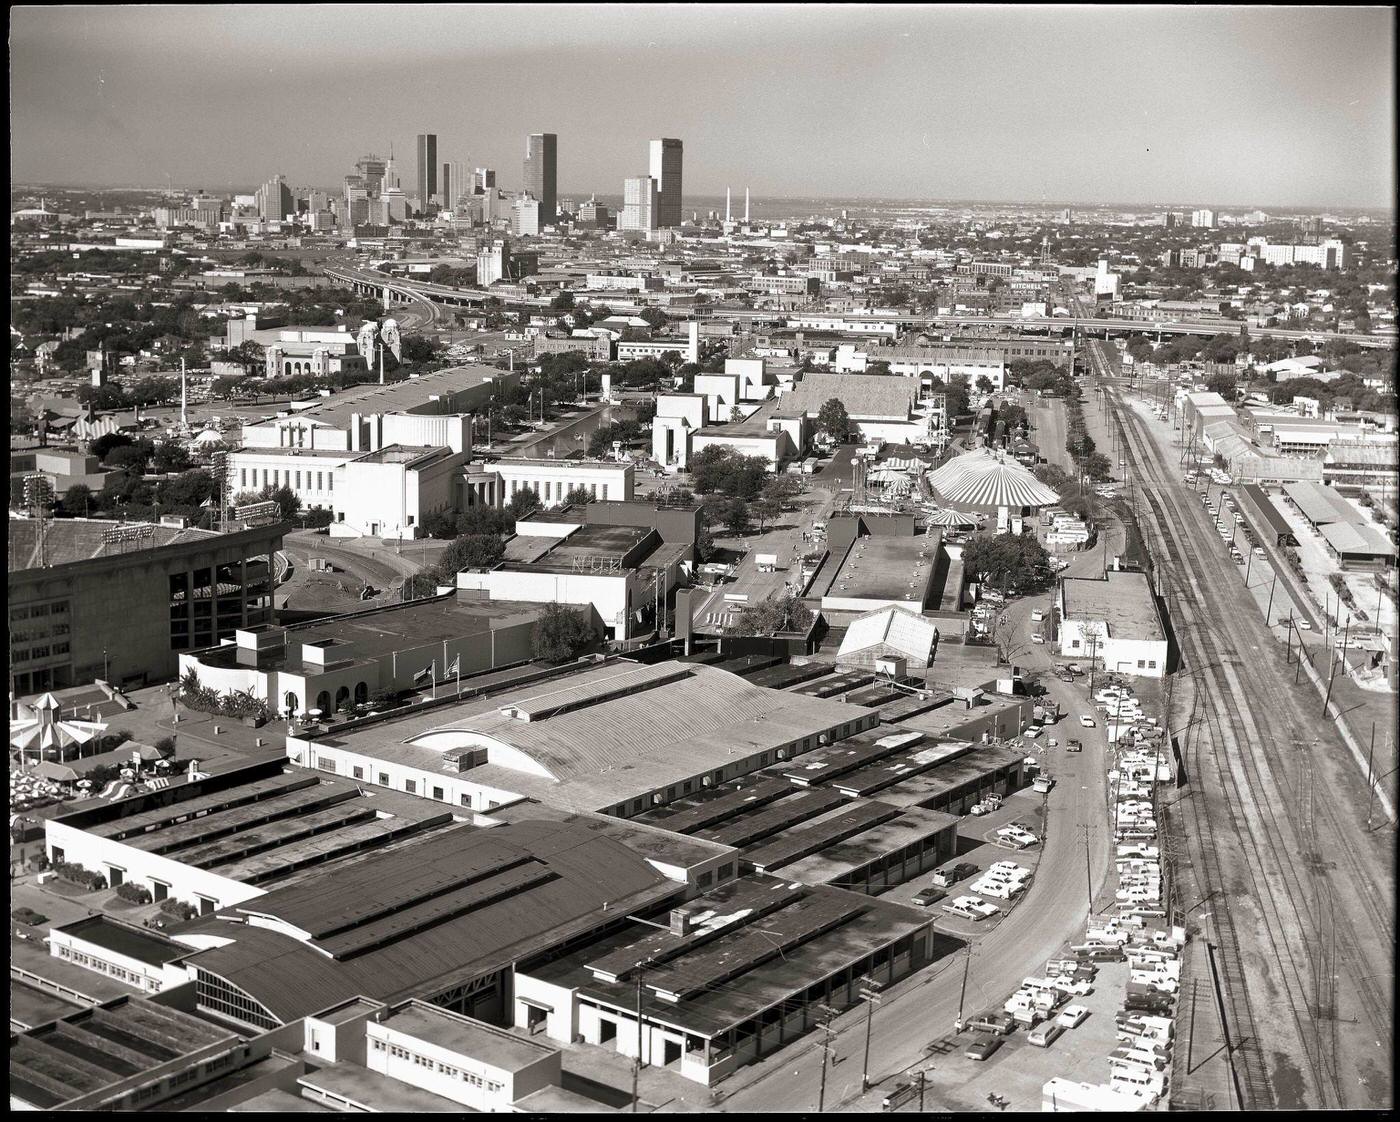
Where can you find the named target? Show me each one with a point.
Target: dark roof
(431, 913)
(144, 946)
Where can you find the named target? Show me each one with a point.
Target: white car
(1072, 1016)
(1032, 732)
(1304, 625)
(1087, 721)
(1037, 614)
(1037, 637)
(969, 907)
(1052, 743)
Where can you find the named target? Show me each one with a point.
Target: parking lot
(1018, 1070)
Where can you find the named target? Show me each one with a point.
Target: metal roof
(424, 941)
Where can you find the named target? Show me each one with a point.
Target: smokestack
(746, 205)
(184, 397)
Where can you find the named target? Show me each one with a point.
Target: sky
(1199, 105)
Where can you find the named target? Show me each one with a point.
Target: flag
(454, 668)
(427, 674)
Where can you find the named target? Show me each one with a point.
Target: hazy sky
(1216, 106)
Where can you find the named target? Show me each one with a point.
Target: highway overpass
(398, 290)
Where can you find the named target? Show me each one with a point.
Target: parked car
(1304, 625)
(1074, 746)
(1032, 732)
(1087, 721)
(998, 1024)
(1045, 1035)
(926, 897)
(1258, 552)
(983, 1047)
(1037, 637)
(1037, 614)
(949, 875)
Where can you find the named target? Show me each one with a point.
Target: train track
(1289, 819)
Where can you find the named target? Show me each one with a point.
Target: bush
(134, 892)
(76, 874)
(178, 908)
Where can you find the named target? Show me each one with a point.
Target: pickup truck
(949, 875)
(1000, 1024)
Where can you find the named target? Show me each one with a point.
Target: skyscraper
(540, 169)
(640, 204)
(371, 169)
(275, 200)
(427, 168)
(666, 170)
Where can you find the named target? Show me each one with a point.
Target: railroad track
(1302, 824)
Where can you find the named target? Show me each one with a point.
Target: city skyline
(1070, 128)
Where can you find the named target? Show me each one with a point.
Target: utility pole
(870, 992)
(637, 1061)
(826, 1055)
(1370, 781)
(1270, 608)
(962, 994)
(1088, 870)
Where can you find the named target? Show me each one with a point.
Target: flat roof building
(119, 600)
(1115, 621)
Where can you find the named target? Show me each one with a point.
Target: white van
(1045, 1035)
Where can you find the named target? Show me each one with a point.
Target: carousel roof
(986, 480)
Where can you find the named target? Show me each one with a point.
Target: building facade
(665, 169)
(541, 171)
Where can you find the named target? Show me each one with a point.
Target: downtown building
(541, 171)
(665, 168)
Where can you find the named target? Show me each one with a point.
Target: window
(1074, 644)
(384, 779)
(411, 786)
(358, 771)
(725, 872)
(1141, 663)
(466, 799)
(437, 793)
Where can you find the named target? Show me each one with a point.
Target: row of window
(101, 966)
(39, 611)
(43, 650)
(325, 481)
(410, 786)
(435, 1065)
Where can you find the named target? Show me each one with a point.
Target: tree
(1096, 466)
(418, 348)
(655, 317)
(170, 456)
(781, 490)
(957, 395)
(736, 515)
(420, 585)
(880, 367)
(778, 613)
(578, 496)
(1222, 382)
(107, 443)
(186, 491)
(525, 502)
(564, 302)
(286, 499)
(765, 510)
(984, 384)
(77, 500)
(130, 458)
(1008, 561)
(561, 633)
(833, 419)
(1053, 476)
(441, 525)
(470, 551)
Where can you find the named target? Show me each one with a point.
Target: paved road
(1301, 892)
(923, 1008)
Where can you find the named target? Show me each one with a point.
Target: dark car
(927, 897)
(998, 1023)
(982, 1047)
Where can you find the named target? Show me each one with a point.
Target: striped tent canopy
(946, 517)
(984, 481)
(46, 735)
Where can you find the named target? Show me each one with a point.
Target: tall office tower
(1169, 220)
(640, 204)
(484, 179)
(371, 170)
(666, 170)
(746, 206)
(1203, 217)
(275, 200)
(726, 207)
(526, 214)
(427, 168)
(540, 173)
